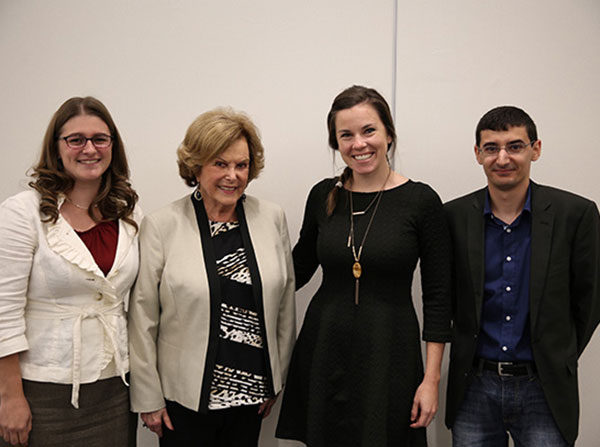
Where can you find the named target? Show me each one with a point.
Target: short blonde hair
(210, 135)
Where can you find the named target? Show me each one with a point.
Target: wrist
(12, 393)
(432, 379)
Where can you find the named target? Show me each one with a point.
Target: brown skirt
(103, 418)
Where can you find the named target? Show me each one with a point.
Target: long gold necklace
(357, 267)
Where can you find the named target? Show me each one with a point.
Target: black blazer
(564, 294)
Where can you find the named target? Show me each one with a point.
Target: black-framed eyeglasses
(515, 148)
(78, 141)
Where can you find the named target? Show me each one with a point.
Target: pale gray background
(159, 64)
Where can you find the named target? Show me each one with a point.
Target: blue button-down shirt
(505, 329)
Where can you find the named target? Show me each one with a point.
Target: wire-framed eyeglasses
(514, 148)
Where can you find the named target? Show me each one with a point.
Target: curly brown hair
(116, 198)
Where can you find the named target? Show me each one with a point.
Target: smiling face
(223, 180)
(362, 140)
(508, 172)
(85, 165)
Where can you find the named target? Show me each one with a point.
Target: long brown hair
(116, 198)
(352, 96)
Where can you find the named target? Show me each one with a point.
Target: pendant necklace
(357, 267)
(360, 213)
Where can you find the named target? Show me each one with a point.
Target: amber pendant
(356, 270)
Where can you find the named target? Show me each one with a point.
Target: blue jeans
(495, 406)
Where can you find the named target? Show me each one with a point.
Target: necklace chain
(357, 267)
(360, 213)
(76, 205)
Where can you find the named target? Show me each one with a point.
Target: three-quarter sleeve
(435, 265)
(18, 243)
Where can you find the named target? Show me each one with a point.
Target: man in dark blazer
(526, 296)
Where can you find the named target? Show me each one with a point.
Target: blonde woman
(212, 320)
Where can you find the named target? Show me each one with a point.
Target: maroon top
(101, 240)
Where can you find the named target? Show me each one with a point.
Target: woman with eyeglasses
(68, 257)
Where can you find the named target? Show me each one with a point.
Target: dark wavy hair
(352, 96)
(116, 198)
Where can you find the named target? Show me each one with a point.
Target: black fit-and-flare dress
(355, 368)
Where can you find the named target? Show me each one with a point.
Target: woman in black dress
(356, 376)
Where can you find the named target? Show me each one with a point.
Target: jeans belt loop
(530, 371)
(479, 368)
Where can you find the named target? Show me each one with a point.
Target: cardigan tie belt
(41, 310)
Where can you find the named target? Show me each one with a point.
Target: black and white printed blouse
(239, 375)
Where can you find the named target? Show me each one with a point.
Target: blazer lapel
(542, 221)
(246, 219)
(214, 285)
(126, 239)
(475, 249)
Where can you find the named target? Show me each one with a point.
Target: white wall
(457, 60)
(158, 64)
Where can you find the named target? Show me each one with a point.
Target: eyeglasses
(492, 150)
(78, 141)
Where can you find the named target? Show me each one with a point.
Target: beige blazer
(169, 312)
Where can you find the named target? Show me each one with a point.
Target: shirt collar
(487, 208)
